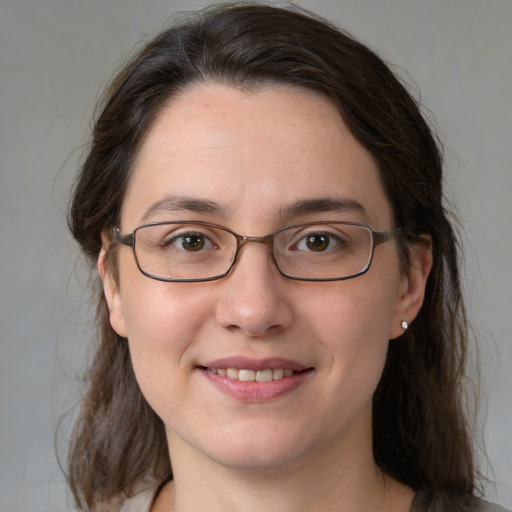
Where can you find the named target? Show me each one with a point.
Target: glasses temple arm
(380, 237)
(117, 238)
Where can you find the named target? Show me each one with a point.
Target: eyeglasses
(190, 251)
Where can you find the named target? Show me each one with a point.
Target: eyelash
(332, 239)
(173, 238)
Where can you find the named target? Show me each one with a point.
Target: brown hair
(421, 435)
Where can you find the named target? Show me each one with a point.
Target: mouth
(249, 375)
(256, 381)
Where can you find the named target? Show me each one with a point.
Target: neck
(342, 478)
(287, 491)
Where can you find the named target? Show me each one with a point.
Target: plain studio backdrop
(55, 55)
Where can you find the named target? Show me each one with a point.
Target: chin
(257, 460)
(263, 449)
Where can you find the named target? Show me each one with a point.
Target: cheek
(360, 310)
(353, 322)
(162, 323)
(157, 314)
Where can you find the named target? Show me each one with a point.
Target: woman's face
(246, 161)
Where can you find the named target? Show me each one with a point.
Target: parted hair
(421, 432)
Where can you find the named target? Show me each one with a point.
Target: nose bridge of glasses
(242, 240)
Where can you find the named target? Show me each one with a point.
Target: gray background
(55, 55)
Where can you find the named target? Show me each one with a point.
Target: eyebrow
(306, 206)
(310, 206)
(184, 203)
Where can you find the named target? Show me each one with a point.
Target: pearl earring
(405, 325)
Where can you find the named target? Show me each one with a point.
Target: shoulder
(142, 501)
(438, 501)
(485, 506)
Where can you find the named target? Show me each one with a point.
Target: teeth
(232, 373)
(278, 374)
(253, 375)
(264, 375)
(246, 375)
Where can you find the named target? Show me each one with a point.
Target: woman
(280, 312)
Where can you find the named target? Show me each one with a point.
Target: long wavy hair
(421, 433)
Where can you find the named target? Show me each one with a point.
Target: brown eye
(319, 242)
(192, 241)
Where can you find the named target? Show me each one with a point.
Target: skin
(255, 154)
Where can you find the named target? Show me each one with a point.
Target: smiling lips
(246, 375)
(251, 381)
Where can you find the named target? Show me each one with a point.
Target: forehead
(253, 155)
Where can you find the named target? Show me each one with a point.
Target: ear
(111, 290)
(412, 287)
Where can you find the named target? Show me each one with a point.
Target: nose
(254, 297)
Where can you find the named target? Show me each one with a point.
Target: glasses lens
(184, 251)
(188, 251)
(323, 251)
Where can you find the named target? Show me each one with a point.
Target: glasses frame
(377, 238)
